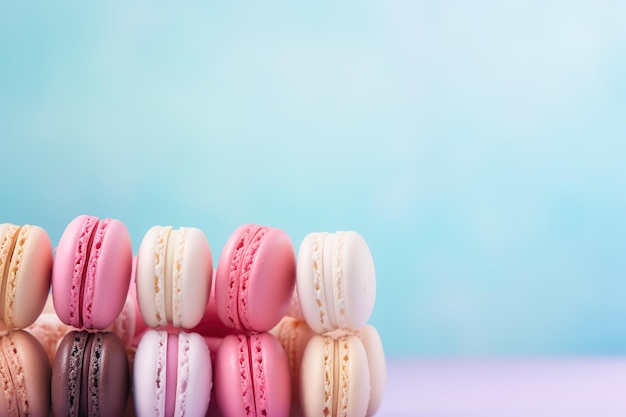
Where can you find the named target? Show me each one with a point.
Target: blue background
(479, 148)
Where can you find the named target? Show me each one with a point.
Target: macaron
(293, 335)
(91, 272)
(90, 375)
(336, 281)
(255, 278)
(24, 376)
(335, 377)
(25, 267)
(172, 375)
(252, 376)
(376, 361)
(174, 274)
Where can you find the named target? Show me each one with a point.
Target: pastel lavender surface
(575, 387)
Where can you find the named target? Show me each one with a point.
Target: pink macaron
(255, 278)
(252, 376)
(91, 272)
(172, 375)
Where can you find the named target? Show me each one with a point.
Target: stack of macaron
(254, 284)
(336, 359)
(90, 280)
(178, 337)
(172, 371)
(25, 265)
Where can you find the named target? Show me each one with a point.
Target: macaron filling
(171, 374)
(336, 376)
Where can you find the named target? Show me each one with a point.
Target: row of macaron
(259, 270)
(252, 286)
(287, 371)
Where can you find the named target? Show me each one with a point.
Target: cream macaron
(336, 281)
(25, 274)
(173, 276)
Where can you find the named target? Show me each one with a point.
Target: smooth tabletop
(572, 387)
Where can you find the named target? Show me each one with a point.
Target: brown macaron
(24, 376)
(90, 375)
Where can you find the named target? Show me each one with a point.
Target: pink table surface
(558, 387)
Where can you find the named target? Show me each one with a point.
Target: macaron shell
(320, 383)
(113, 376)
(310, 282)
(378, 371)
(30, 370)
(270, 370)
(9, 402)
(244, 384)
(196, 275)
(63, 271)
(28, 288)
(112, 277)
(359, 282)
(272, 281)
(150, 290)
(233, 377)
(149, 367)
(195, 376)
(66, 372)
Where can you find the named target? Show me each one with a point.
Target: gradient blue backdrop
(479, 148)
